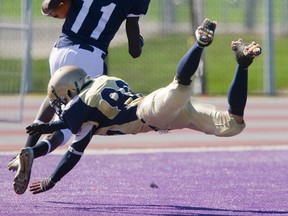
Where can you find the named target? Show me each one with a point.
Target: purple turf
(192, 183)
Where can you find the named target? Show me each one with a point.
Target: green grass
(12, 9)
(221, 66)
(157, 66)
(10, 78)
(217, 9)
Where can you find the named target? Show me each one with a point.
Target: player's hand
(39, 128)
(41, 186)
(141, 40)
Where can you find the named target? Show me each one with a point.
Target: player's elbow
(135, 51)
(135, 54)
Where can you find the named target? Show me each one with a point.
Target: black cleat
(205, 33)
(245, 53)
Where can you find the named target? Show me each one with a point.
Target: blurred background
(27, 37)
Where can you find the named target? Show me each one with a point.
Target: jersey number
(106, 13)
(117, 97)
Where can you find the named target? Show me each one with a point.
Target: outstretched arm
(45, 128)
(135, 40)
(68, 161)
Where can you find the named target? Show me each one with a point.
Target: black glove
(39, 128)
(141, 41)
(45, 128)
(41, 186)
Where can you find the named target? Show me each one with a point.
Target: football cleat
(22, 177)
(205, 33)
(245, 53)
(13, 164)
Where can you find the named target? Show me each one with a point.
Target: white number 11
(106, 13)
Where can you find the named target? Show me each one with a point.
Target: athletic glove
(141, 41)
(44, 128)
(41, 186)
(39, 128)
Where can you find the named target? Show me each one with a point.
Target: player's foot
(245, 53)
(205, 33)
(22, 177)
(13, 164)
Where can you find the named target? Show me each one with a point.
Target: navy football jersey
(109, 104)
(95, 22)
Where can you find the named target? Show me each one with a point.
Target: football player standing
(89, 27)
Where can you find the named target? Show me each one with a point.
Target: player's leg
(48, 144)
(51, 142)
(45, 114)
(212, 120)
(25, 161)
(92, 63)
(162, 106)
(26, 157)
(237, 93)
(28, 154)
(190, 61)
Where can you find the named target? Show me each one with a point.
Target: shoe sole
(255, 52)
(205, 33)
(22, 176)
(203, 37)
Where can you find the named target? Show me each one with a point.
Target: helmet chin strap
(69, 93)
(77, 88)
(54, 92)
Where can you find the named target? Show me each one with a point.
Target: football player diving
(107, 106)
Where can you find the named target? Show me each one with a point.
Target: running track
(195, 174)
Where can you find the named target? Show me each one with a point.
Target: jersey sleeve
(140, 8)
(75, 114)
